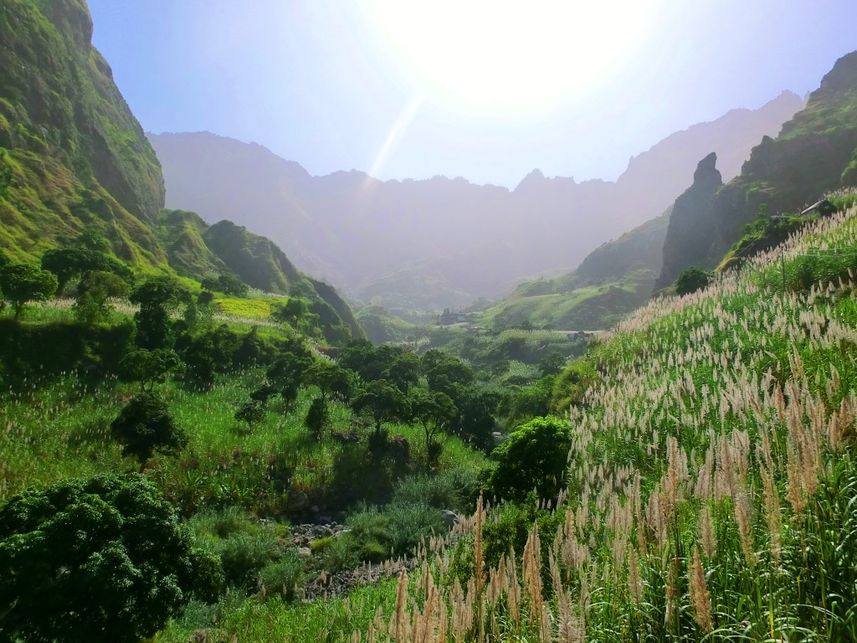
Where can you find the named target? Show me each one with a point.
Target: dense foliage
(98, 560)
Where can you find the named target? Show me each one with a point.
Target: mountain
(71, 152)
(441, 242)
(73, 156)
(816, 152)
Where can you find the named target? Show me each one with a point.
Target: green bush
(283, 576)
(691, 280)
(410, 523)
(98, 560)
(243, 555)
(534, 457)
(455, 489)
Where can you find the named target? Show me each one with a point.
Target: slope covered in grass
(609, 283)
(711, 476)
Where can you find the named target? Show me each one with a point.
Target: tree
(144, 426)
(286, 374)
(94, 291)
(534, 457)
(150, 367)
(382, 401)
(104, 559)
(251, 413)
(317, 417)
(691, 280)
(331, 379)
(21, 283)
(434, 412)
(296, 313)
(226, 283)
(404, 372)
(157, 298)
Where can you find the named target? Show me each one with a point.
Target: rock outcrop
(691, 224)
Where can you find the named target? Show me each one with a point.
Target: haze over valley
(444, 242)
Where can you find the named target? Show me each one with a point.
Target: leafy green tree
(65, 263)
(445, 373)
(101, 560)
(331, 379)
(21, 283)
(251, 413)
(296, 313)
(383, 402)
(317, 417)
(434, 412)
(476, 415)
(157, 298)
(286, 374)
(145, 426)
(691, 280)
(72, 262)
(404, 371)
(226, 283)
(94, 292)
(150, 367)
(534, 457)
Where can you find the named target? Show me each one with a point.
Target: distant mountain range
(442, 242)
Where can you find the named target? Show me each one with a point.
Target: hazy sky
(483, 89)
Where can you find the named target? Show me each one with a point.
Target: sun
(509, 55)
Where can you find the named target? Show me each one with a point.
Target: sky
(484, 89)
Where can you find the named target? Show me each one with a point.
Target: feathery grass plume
(706, 533)
(742, 509)
(532, 568)
(771, 506)
(700, 599)
(479, 563)
(635, 584)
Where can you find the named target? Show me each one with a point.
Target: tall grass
(713, 474)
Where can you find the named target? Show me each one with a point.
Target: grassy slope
(71, 153)
(686, 421)
(609, 283)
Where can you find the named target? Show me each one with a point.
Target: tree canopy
(103, 559)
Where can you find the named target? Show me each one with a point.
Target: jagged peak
(706, 170)
(843, 76)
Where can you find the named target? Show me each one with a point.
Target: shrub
(98, 560)
(534, 457)
(410, 523)
(21, 283)
(243, 555)
(691, 280)
(282, 576)
(144, 426)
(453, 489)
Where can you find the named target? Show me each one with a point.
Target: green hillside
(814, 154)
(71, 152)
(74, 158)
(609, 283)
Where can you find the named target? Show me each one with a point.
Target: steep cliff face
(814, 153)
(72, 155)
(691, 225)
(71, 151)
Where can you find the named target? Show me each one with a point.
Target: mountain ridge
(358, 231)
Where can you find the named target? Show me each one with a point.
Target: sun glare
(509, 55)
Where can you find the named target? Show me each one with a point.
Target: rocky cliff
(691, 225)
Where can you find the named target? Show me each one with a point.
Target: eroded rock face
(691, 224)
